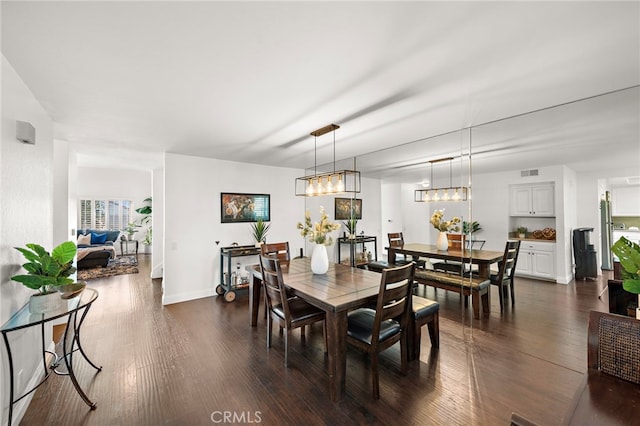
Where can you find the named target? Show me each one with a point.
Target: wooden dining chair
(279, 250)
(506, 272)
(455, 267)
(374, 330)
(396, 239)
(288, 312)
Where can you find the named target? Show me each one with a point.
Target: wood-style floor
(199, 363)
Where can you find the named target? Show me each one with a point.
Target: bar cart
(354, 243)
(230, 280)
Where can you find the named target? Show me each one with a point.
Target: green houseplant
(628, 253)
(46, 272)
(146, 220)
(469, 228)
(521, 231)
(259, 231)
(351, 225)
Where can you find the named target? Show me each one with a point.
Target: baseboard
(20, 408)
(157, 272)
(185, 297)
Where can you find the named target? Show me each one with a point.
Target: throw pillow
(98, 238)
(84, 240)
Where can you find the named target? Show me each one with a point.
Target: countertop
(538, 240)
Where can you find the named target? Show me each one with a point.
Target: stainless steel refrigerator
(606, 232)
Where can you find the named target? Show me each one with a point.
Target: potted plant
(351, 227)
(521, 231)
(469, 228)
(146, 220)
(131, 229)
(628, 253)
(259, 231)
(46, 273)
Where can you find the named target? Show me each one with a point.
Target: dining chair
(374, 330)
(288, 312)
(396, 239)
(506, 272)
(454, 267)
(279, 250)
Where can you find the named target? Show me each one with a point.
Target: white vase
(638, 308)
(319, 259)
(43, 303)
(443, 243)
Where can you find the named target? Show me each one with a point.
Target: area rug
(119, 266)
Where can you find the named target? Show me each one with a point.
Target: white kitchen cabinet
(532, 200)
(625, 201)
(537, 259)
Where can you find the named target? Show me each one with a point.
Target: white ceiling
(248, 81)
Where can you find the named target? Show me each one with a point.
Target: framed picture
(346, 208)
(244, 207)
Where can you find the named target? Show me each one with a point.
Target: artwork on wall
(244, 207)
(347, 208)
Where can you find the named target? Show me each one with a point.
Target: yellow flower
(318, 232)
(442, 225)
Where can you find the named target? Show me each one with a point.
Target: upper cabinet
(532, 200)
(625, 201)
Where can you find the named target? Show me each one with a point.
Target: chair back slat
(395, 239)
(507, 266)
(394, 298)
(273, 284)
(279, 250)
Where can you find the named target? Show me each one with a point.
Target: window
(104, 214)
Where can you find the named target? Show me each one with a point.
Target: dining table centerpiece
(444, 226)
(318, 234)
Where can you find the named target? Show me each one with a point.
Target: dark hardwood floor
(199, 363)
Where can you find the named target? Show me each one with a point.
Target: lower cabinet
(537, 259)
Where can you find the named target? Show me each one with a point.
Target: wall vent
(532, 172)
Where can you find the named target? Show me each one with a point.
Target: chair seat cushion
(495, 280)
(360, 326)
(299, 310)
(423, 307)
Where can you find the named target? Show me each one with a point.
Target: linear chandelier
(449, 193)
(327, 183)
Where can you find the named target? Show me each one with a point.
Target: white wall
(192, 218)
(391, 212)
(62, 228)
(26, 216)
(157, 217)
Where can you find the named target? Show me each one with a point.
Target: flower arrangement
(318, 232)
(442, 225)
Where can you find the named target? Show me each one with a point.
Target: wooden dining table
(341, 289)
(482, 258)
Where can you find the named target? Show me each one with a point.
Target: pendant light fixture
(449, 193)
(327, 183)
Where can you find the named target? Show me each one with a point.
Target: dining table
(336, 292)
(482, 258)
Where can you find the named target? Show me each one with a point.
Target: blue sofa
(94, 256)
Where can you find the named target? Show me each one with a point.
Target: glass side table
(124, 246)
(70, 342)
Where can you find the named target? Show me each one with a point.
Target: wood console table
(24, 319)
